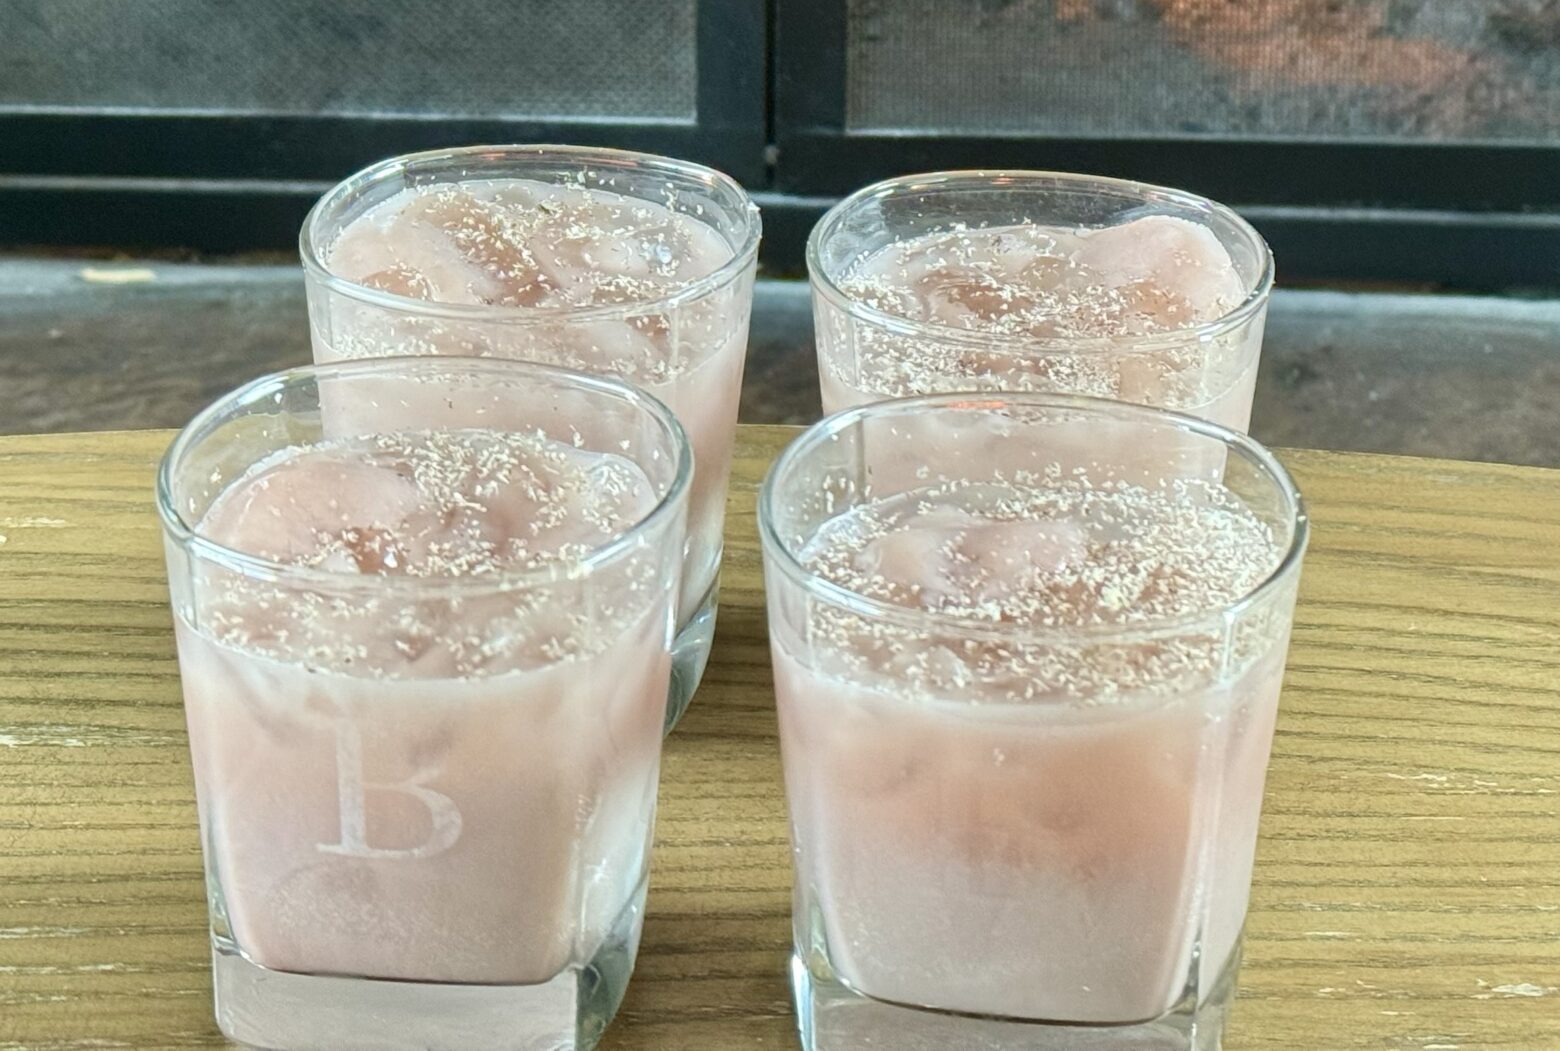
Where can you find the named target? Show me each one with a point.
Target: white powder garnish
(1026, 283)
(1061, 556)
(1067, 553)
(1149, 275)
(519, 245)
(436, 505)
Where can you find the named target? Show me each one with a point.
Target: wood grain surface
(1407, 891)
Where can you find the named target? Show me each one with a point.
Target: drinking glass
(686, 344)
(1022, 833)
(426, 798)
(868, 353)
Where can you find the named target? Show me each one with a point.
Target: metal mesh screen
(1440, 70)
(513, 58)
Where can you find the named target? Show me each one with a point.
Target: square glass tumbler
(621, 264)
(1026, 703)
(1039, 281)
(425, 670)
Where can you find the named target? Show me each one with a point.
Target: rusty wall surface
(1442, 70)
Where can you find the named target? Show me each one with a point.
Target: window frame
(228, 182)
(1469, 214)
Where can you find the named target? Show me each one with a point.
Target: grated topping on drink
(430, 504)
(437, 505)
(1068, 553)
(1150, 275)
(1057, 554)
(1045, 308)
(523, 243)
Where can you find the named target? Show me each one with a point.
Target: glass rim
(310, 246)
(188, 536)
(828, 286)
(853, 601)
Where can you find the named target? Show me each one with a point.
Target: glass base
(281, 1011)
(691, 653)
(833, 1017)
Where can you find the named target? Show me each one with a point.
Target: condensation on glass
(565, 58)
(1436, 70)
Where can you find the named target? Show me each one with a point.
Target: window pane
(490, 58)
(1438, 70)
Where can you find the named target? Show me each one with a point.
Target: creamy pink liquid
(1037, 827)
(1058, 308)
(401, 782)
(532, 251)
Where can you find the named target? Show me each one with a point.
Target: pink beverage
(523, 245)
(444, 783)
(1030, 281)
(1024, 743)
(426, 682)
(611, 263)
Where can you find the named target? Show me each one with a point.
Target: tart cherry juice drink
(1026, 711)
(425, 673)
(1034, 281)
(620, 264)
(420, 765)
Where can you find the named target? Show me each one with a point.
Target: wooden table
(1407, 893)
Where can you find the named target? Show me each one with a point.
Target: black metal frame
(771, 111)
(226, 182)
(1476, 215)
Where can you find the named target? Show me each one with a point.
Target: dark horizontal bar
(1444, 176)
(1464, 250)
(206, 215)
(1490, 251)
(329, 148)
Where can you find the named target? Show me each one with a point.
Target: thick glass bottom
(280, 1011)
(833, 1017)
(691, 653)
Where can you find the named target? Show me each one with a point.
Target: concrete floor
(95, 345)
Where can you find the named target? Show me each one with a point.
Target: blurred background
(1401, 156)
